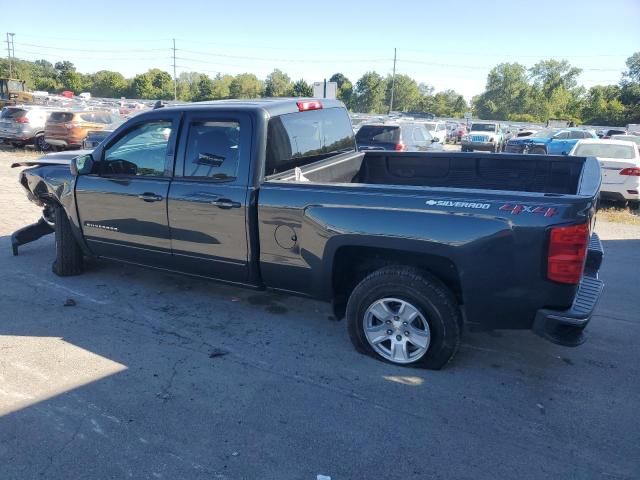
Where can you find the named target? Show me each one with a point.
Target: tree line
(513, 92)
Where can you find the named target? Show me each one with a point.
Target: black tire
(538, 151)
(40, 144)
(69, 260)
(433, 300)
(634, 204)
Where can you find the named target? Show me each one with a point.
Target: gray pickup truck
(410, 246)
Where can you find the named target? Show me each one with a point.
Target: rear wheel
(404, 316)
(69, 259)
(634, 204)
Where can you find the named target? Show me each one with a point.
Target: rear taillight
(22, 120)
(567, 253)
(309, 105)
(633, 171)
(399, 147)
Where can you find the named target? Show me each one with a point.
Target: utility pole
(393, 81)
(13, 46)
(9, 52)
(175, 79)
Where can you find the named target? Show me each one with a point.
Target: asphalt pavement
(128, 373)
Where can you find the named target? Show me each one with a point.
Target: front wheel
(69, 260)
(41, 144)
(404, 316)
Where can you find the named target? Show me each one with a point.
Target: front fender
(54, 184)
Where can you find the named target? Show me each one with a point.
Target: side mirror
(436, 139)
(81, 165)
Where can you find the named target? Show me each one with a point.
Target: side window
(142, 151)
(213, 150)
(573, 134)
(562, 136)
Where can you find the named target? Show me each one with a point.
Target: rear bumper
(566, 327)
(16, 137)
(619, 192)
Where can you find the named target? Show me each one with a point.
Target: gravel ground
(149, 375)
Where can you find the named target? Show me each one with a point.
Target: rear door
(123, 208)
(209, 198)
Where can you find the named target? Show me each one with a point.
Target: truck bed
(478, 221)
(561, 175)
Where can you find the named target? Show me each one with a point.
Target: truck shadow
(168, 361)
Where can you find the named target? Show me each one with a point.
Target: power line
(296, 60)
(40, 55)
(93, 50)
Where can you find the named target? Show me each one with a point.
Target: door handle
(150, 197)
(226, 204)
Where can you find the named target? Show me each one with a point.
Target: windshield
(605, 150)
(12, 113)
(548, 133)
(483, 127)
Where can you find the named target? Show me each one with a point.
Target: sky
(443, 44)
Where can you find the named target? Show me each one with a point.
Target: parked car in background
(629, 138)
(438, 130)
(94, 137)
(633, 128)
(458, 133)
(620, 163)
(24, 125)
(551, 141)
(608, 132)
(402, 137)
(69, 129)
(483, 136)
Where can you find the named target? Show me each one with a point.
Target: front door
(123, 207)
(209, 196)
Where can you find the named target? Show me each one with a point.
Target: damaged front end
(46, 184)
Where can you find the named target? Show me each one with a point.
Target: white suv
(620, 163)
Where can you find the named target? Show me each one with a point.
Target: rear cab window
(300, 138)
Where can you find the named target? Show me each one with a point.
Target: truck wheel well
(352, 264)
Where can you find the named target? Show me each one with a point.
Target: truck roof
(272, 106)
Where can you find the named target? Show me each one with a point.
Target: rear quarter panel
(499, 255)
